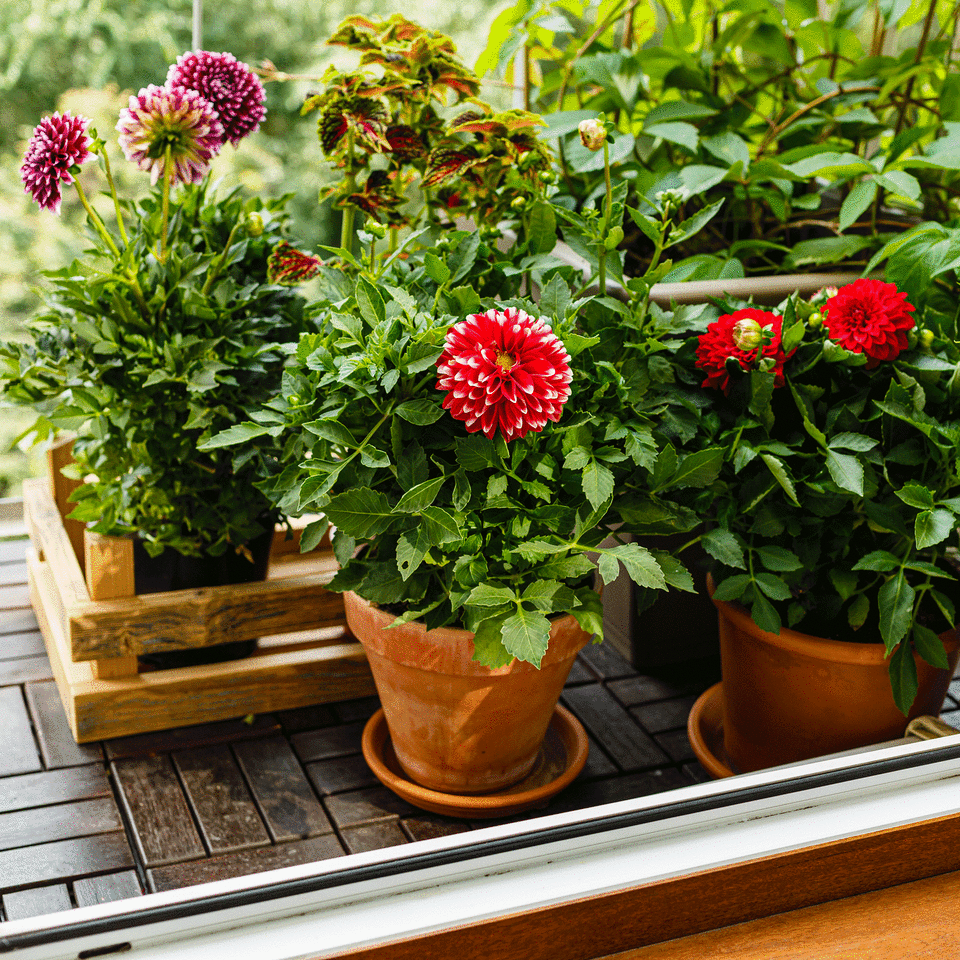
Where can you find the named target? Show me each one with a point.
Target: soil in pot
(170, 571)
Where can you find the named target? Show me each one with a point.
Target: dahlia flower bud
(253, 224)
(593, 134)
(747, 334)
(926, 338)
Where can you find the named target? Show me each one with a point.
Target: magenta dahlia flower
(59, 143)
(747, 336)
(158, 118)
(504, 370)
(231, 86)
(871, 317)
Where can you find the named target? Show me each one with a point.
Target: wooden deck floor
(87, 824)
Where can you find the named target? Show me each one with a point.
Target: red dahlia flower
(58, 143)
(504, 370)
(871, 317)
(159, 118)
(230, 86)
(748, 336)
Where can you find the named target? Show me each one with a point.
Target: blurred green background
(89, 56)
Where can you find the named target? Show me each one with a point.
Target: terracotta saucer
(705, 732)
(561, 758)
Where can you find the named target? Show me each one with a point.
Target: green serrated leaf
(895, 600)
(930, 647)
(903, 677)
(526, 635)
(722, 545)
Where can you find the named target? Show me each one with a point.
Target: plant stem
(218, 266)
(96, 221)
(605, 224)
(167, 178)
(116, 199)
(924, 34)
(346, 225)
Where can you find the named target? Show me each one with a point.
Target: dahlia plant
(837, 424)
(479, 465)
(169, 330)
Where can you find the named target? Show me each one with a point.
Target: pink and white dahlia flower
(160, 117)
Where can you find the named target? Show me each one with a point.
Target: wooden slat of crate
(292, 598)
(274, 678)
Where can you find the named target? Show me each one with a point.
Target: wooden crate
(94, 628)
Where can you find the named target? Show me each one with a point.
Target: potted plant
(807, 139)
(479, 457)
(835, 513)
(167, 331)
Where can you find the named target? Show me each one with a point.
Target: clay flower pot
(791, 696)
(456, 726)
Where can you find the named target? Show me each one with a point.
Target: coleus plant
(168, 330)
(838, 501)
(416, 151)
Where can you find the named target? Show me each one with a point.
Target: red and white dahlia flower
(181, 119)
(504, 370)
(748, 336)
(871, 317)
(233, 89)
(58, 143)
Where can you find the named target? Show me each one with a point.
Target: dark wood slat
(185, 738)
(151, 797)
(244, 863)
(18, 752)
(13, 573)
(18, 621)
(25, 670)
(35, 903)
(12, 598)
(84, 818)
(281, 789)
(614, 728)
(13, 551)
(52, 786)
(64, 860)
(328, 742)
(340, 774)
(106, 889)
(227, 815)
(365, 806)
(14, 645)
(373, 836)
(57, 746)
(429, 826)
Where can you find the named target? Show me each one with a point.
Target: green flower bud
(926, 338)
(747, 335)
(253, 224)
(518, 203)
(815, 319)
(375, 228)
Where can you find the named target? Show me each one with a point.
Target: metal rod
(197, 37)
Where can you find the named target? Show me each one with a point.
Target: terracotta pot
(456, 726)
(791, 696)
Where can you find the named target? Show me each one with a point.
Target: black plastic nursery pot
(170, 570)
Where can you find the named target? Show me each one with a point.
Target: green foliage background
(88, 56)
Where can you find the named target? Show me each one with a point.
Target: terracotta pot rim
(840, 651)
(456, 637)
